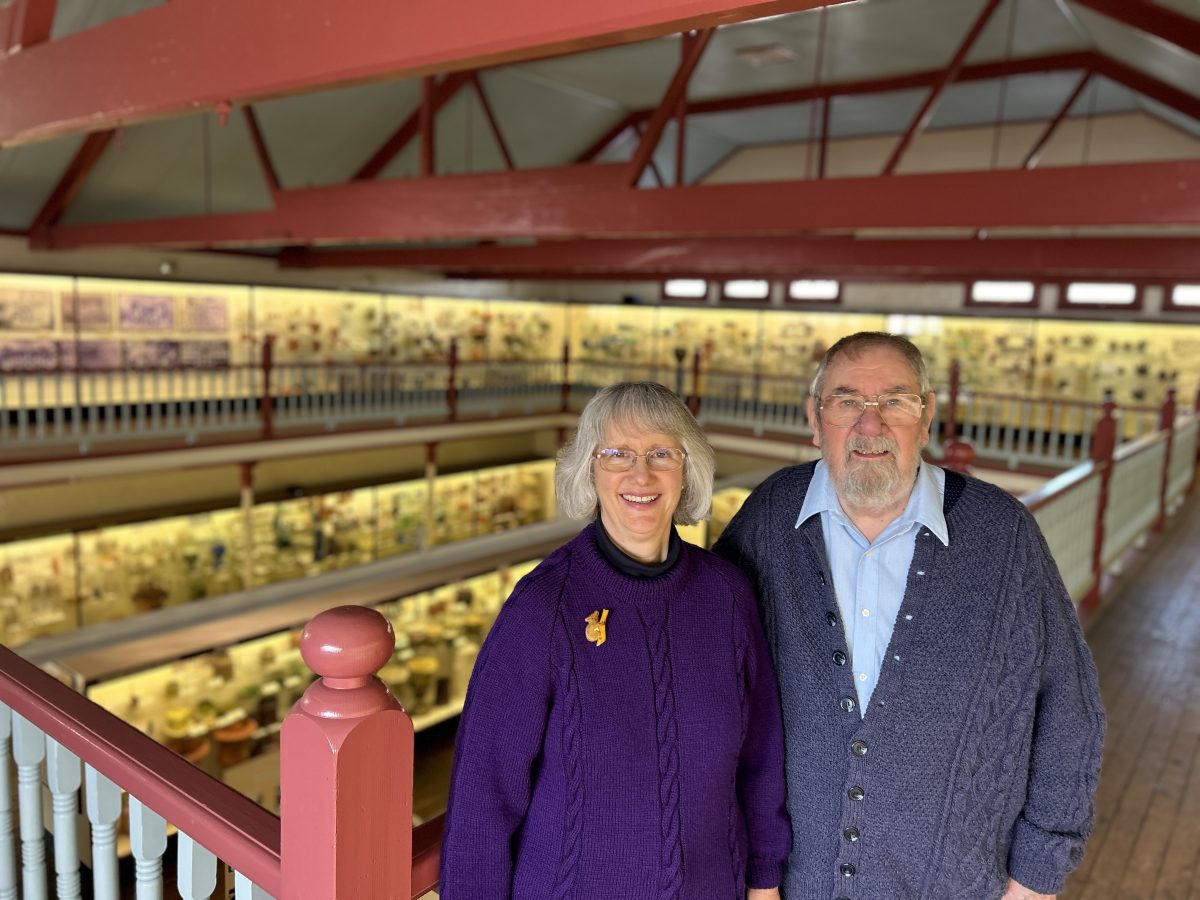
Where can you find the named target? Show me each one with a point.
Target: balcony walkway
(1146, 642)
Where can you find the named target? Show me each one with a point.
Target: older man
(943, 725)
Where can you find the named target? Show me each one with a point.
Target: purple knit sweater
(649, 767)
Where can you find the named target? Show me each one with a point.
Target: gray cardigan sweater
(978, 757)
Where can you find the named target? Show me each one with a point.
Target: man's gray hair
(854, 344)
(644, 405)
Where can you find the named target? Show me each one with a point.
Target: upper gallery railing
(54, 414)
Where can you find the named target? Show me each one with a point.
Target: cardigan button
(856, 793)
(831, 618)
(839, 658)
(851, 834)
(859, 748)
(847, 703)
(847, 869)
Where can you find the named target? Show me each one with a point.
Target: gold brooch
(595, 627)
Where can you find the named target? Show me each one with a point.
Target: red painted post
(266, 409)
(952, 401)
(1166, 422)
(566, 378)
(452, 380)
(346, 768)
(1104, 442)
(694, 400)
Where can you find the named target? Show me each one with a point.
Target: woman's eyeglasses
(844, 410)
(658, 459)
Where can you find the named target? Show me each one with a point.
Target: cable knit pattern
(586, 771)
(978, 755)
(671, 873)
(573, 768)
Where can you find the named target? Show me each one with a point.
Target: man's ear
(814, 420)
(930, 409)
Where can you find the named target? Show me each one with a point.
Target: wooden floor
(1146, 643)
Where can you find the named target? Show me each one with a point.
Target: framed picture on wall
(87, 312)
(207, 314)
(203, 354)
(91, 355)
(142, 312)
(26, 310)
(28, 356)
(151, 354)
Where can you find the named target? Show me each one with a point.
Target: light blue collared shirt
(869, 579)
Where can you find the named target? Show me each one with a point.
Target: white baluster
(63, 774)
(245, 889)
(8, 859)
(197, 869)
(29, 749)
(148, 839)
(103, 809)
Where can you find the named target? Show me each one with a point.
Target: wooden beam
(1035, 152)
(589, 201)
(72, 180)
(1154, 19)
(182, 57)
(493, 124)
(391, 148)
(260, 148)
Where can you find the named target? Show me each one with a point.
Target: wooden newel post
(452, 381)
(346, 768)
(1104, 442)
(266, 408)
(1166, 422)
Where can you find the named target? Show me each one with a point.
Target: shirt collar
(924, 504)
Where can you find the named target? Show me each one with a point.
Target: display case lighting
(1002, 292)
(1185, 295)
(1101, 293)
(813, 289)
(747, 289)
(685, 288)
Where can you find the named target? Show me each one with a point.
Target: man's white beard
(872, 484)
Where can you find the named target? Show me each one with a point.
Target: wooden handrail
(233, 827)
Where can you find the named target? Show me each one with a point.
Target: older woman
(622, 735)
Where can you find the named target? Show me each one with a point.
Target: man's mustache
(866, 444)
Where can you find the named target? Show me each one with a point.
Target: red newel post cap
(347, 645)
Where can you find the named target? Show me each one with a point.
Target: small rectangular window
(746, 289)
(814, 290)
(1007, 293)
(1101, 293)
(1184, 296)
(685, 289)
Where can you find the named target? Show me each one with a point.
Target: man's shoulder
(977, 497)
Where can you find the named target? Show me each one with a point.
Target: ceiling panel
(158, 169)
(28, 175)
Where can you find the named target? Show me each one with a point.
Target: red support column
(952, 401)
(346, 763)
(266, 408)
(694, 399)
(566, 379)
(1166, 422)
(1104, 442)
(452, 381)
(957, 455)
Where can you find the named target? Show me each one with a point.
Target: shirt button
(847, 869)
(839, 657)
(831, 618)
(856, 793)
(847, 703)
(862, 676)
(851, 834)
(866, 612)
(859, 748)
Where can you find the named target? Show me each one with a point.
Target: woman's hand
(1017, 891)
(762, 894)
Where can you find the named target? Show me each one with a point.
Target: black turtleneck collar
(627, 565)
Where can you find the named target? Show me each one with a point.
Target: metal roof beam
(1152, 18)
(925, 113)
(1035, 152)
(72, 180)
(183, 57)
(399, 139)
(25, 24)
(587, 201)
(1154, 88)
(1124, 257)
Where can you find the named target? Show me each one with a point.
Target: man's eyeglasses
(844, 410)
(658, 459)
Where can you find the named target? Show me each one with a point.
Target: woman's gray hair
(644, 405)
